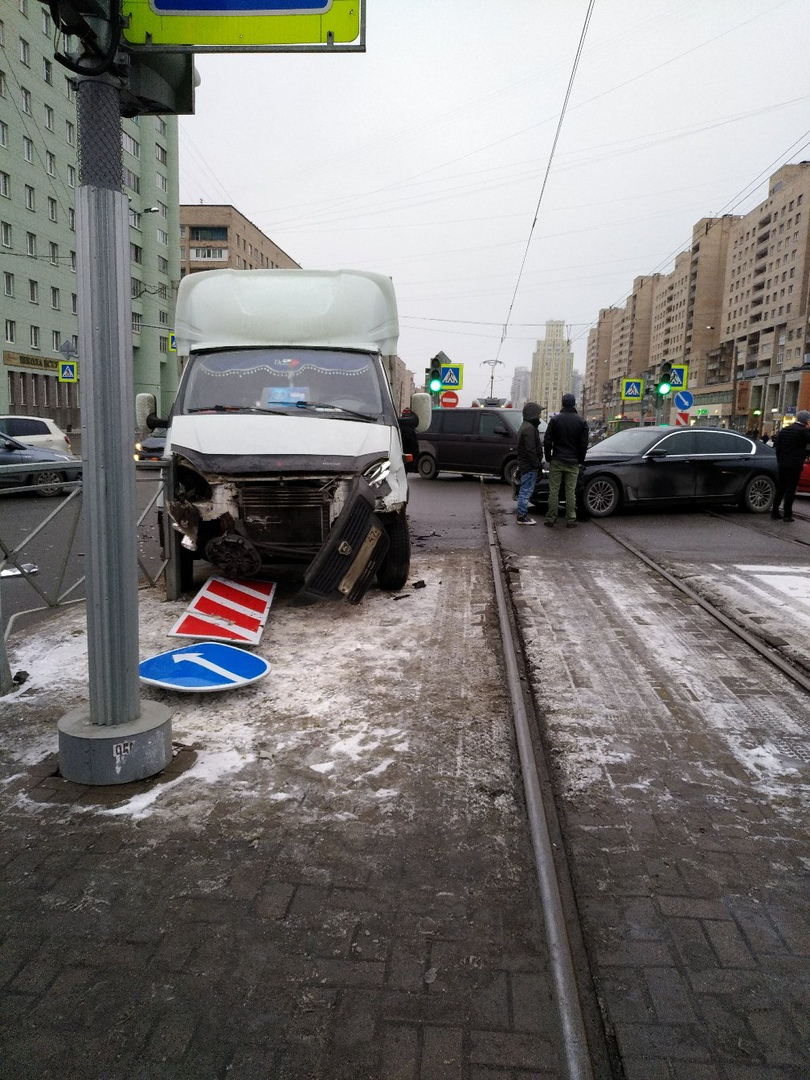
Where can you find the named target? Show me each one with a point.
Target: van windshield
(278, 379)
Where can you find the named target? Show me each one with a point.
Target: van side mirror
(422, 405)
(145, 414)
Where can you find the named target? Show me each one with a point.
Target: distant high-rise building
(521, 384)
(552, 368)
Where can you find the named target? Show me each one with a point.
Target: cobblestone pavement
(682, 767)
(333, 880)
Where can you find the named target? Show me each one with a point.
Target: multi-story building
(597, 386)
(521, 385)
(765, 332)
(38, 178)
(630, 343)
(219, 237)
(552, 367)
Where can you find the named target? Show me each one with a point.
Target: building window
(34, 337)
(163, 344)
(70, 88)
(73, 261)
(28, 149)
(47, 66)
(163, 291)
(30, 198)
(54, 298)
(160, 153)
(135, 253)
(161, 182)
(49, 114)
(71, 219)
(2, 83)
(51, 209)
(162, 237)
(25, 52)
(3, 133)
(163, 318)
(70, 132)
(25, 101)
(5, 234)
(163, 264)
(132, 181)
(71, 176)
(209, 232)
(53, 253)
(56, 340)
(11, 331)
(209, 253)
(33, 291)
(31, 244)
(163, 210)
(50, 163)
(8, 283)
(5, 185)
(130, 145)
(74, 303)
(136, 323)
(160, 125)
(134, 219)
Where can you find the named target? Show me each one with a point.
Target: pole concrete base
(115, 753)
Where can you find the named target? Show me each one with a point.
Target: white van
(283, 441)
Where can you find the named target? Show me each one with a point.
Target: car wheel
(601, 496)
(48, 484)
(428, 469)
(511, 472)
(757, 498)
(393, 571)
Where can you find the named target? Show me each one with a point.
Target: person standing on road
(565, 444)
(410, 440)
(792, 445)
(529, 459)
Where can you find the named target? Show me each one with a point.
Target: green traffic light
(435, 386)
(664, 388)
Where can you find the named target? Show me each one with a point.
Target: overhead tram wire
(574, 68)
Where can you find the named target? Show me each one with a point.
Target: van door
(497, 441)
(456, 445)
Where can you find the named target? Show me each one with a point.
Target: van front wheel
(393, 571)
(428, 468)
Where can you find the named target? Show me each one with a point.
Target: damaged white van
(283, 442)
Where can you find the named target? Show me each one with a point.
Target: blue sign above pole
(203, 667)
(684, 400)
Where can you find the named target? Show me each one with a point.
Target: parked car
(151, 447)
(481, 442)
(36, 431)
(804, 479)
(664, 466)
(46, 481)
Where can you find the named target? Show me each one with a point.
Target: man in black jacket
(529, 459)
(565, 444)
(792, 446)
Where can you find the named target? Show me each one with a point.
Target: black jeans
(786, 484)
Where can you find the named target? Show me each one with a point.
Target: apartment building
(38, 180)
(596, 388)
(218, 237)
(765, 331)
(630, 343)
(552, 367)
(521, 386)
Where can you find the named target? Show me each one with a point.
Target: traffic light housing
(434, 381)
(664, 384)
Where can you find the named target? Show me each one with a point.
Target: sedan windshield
(281, 379)
(629, 441)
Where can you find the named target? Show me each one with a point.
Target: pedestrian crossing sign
(679, 376)
(452, 376)
(68, 371)
(632, 389)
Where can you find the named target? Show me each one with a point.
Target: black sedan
(664, 466)
(50, 469)
(150, 448)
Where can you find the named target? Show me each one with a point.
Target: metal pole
(140, 745)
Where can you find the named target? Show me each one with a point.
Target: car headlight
(377, 474)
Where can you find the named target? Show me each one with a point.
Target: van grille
(287, 515)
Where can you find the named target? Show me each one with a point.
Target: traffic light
(434, 383)
(664, 385)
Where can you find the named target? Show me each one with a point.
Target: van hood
(243, 443)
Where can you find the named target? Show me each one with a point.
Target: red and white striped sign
(682, 419)
(227, 610)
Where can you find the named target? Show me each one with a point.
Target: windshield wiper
(234, 408)
(337, 408)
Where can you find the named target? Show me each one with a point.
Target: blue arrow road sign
(202, 668)
(684, 400)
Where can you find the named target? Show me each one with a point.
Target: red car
(804, 479)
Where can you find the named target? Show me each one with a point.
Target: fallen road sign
(227, 610)
(203, 668)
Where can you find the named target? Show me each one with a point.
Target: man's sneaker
(524, 519)
(548, 524)
(570, 524)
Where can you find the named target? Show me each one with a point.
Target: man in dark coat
(410, 441)
(565, 444)
(529, 459)
(792, 446)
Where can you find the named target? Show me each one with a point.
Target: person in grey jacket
(565, 444)
(792, 446)
(529, 459)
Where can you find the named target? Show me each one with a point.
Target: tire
(393, 571)
(511, 472)
(601, 496)
(428, 469)
(757, 498)
(48, 484)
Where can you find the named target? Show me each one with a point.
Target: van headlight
(377, 473)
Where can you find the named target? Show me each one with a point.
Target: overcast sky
(425, 157)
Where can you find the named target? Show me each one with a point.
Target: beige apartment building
(219, 237)
(552, 368)
(596, 388)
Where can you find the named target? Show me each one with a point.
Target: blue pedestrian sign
(68, 371)
(203, 667)
(678, 379)
(632, 389)
(684, 400)
(452, 376)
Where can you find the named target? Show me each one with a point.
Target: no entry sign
(449, 399)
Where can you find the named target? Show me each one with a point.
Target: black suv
(478, 441)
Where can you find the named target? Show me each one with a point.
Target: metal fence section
(58, 531)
